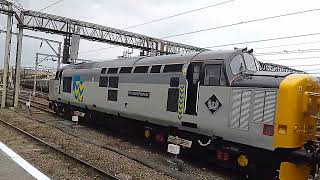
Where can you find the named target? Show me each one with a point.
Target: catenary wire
(288, 52)
(179, 14)
(19, 4)
(224, 26)
(39, 11)
(157, 20)
(305, 65)
(264, 40)
(289, 59)
(238, 43)
(242, 22)
(284, 45)
(50, 5)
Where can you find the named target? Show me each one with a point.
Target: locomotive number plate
(139, 94)
(179, 141)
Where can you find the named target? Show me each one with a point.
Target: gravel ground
(25, 93)
(107, 160)
(129, 148)
(125, 167)
(53, 164)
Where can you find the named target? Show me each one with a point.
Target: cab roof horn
(250, 51)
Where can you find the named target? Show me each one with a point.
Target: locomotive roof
(157, 60)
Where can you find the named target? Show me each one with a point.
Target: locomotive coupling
(316, 156)
(303, 156)
(300, 156)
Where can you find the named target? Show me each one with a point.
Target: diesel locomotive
(216, 101)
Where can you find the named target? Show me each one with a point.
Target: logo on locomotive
(213, 104)
(78, 88)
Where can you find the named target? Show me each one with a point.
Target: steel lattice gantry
(4, 9)
(61, 25)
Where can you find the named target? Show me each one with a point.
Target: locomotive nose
(297, 111)
(296, 126)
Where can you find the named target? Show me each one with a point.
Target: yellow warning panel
(294, 124)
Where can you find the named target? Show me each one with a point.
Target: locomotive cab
(215, 73)
(288, 109)
(54, 89)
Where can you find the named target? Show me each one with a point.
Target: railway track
(34, 104)
(44, 107)
(105, 174)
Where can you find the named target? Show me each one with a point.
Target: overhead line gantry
(49, 23)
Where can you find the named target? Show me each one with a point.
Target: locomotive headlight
(282, 129)
(243, 160)
(295, 128)
(147, 133)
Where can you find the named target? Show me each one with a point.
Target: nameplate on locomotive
(139, 94)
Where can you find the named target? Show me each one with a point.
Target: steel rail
(90, 166)
(167, 171)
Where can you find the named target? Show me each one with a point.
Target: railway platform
(12, 166)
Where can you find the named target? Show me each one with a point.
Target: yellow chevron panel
(81, 86)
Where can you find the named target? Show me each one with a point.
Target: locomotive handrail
(313, 94)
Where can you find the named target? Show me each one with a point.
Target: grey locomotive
(214, 100)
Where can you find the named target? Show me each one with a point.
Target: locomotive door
(213, 93)
(60, 80)
(193, 79)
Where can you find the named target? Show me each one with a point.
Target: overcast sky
(123, 13)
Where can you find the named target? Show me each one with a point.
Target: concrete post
(6, 57)
(35, 76)
(18, 65)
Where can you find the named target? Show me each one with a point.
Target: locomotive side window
(125, 70)
(250, 62)
(113, 82)
(237, 64)
(155, 69)
(112, 95)
(141, 69)
(103, 70)
(103, 82)
(174, 82)
(173, 68)
(112, 71)
(173, 97)
(223, 80)
(212, 75)
(67, 84)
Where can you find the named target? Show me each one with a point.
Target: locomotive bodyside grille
(235, 108)
(264, 106)
(245, 109)
(240, 109)
(270, 107)
(256, 104)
